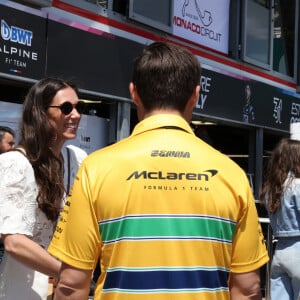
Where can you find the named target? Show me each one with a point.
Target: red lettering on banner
(186, 24)
(205, 32)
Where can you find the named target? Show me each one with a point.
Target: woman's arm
(31, 254)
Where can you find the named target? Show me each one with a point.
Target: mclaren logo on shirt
(161, 175)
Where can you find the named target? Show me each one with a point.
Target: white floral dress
(20, 214)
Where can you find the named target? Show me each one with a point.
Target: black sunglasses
(67, 107)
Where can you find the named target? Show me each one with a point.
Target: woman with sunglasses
(32, 188)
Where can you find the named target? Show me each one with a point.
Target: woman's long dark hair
(37, 137)
(285, 158)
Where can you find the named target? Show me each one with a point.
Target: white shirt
(19, 213)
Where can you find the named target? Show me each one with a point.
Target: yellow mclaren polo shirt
(169, 216)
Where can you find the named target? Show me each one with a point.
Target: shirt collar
(160, 121)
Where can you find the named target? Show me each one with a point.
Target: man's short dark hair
(165, 76)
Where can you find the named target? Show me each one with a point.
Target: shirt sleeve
(76, 239)
(249, 249)
(17, 195)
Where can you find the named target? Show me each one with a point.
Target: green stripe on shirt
(167, 226)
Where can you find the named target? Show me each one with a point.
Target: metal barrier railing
(269, 244)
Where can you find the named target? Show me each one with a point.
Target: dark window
(257, 32)
(284, 36)
(156, 14)
(120, 6)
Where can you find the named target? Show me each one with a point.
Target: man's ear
(137, 101)
(188, 111)
(134, 95)
(195, 96)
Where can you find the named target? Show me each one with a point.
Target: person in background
(7, 139)
(281, 195)
(169, 216)
(32, 188)
(248, 109)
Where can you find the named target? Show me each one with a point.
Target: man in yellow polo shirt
(168, 216)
